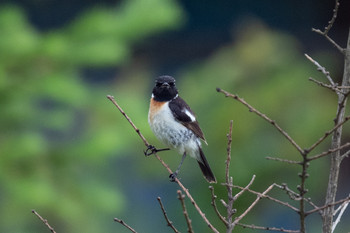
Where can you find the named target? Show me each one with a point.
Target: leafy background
(68, 153)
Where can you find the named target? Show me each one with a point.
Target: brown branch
(229, 182)
(329, 26)
(329, 151)
(328, 205)
(267, 228)
(228, 160)
(244, 189)
(188, 220)
(252, 109)
(293, 195)
(169, 223)
(44, 221)
(111, 98)
(334, 88)
(335, 158)
(326, 134)
(259, 196)
(334, 16)
(284, 160)
(125, 225)
(213, 203)
(340, 49)
(269, 197)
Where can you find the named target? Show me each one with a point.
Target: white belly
(172, 133)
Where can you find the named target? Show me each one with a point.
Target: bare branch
(228, 160)
(342, 209)
(346, 154)
(125, 225)
(111, 98)
(188, 220)
(329, 151)
(252, 109)
(169, 223)
(293, 195)
(340, 49)
(326, 134)
(334, 88)
(259, 196)
(321, 69)
(267, 228)
(44, 221)
(244, 189)
(284, 160)
(213, 203)
(347, 199)
(269, 197)
(229, 182)
(331, 22)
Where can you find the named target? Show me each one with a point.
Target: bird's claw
(152, 150)
(173, 177)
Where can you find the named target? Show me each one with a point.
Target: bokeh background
(68, 153)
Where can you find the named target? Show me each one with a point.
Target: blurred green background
(68, 153)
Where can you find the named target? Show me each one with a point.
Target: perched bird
(175, 124)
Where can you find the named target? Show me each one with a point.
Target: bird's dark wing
(183, 113)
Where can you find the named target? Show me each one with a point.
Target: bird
(175, 125)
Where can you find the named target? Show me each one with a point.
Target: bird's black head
(165, 88)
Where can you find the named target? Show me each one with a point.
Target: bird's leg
(152, 150)
(174, 175)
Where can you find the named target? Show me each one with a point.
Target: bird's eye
(158, 84)
(171, 83)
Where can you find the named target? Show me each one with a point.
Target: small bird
(174, 123)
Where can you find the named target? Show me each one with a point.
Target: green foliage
(53, 130)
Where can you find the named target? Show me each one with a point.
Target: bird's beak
(165, 85)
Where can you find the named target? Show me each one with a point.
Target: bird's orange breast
(154, 107)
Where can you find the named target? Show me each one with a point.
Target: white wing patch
(190, 115)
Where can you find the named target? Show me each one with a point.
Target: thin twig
(213, 203)
(169, 223)
(326, 134)
(329, 151)
(284, 160)
(293, 195)
(244, 189)
(228, 160)
(346, 154)
(229, 183)
(239, 218)
(125, 225)
(269, 197)
(335, 88)
(181, 197)
(340, 49)
(342, 210)
(334, 16)
(252, 109)
(111, 98)
(267, 228)
(44, 221)
(321, 69)
(347, 199)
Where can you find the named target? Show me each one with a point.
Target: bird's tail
(203, 164)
